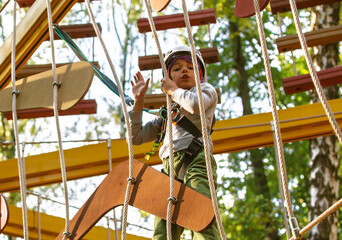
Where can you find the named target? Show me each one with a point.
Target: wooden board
(245, 8)
(313, 38)
(193, 210)
(78, 31)
(284, 5)
(37, 91)
(209, 55)
(4, 213)
(159, 5)
(28, 3)
(197, 18)
(304, 82)
(88, 106)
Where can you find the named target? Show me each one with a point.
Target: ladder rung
(78, 31)
(83, 107)
(314, 38)
(284, 5)
(28, 3)
(302, 83)
(210, 55)
(197, 18)
(29, 70)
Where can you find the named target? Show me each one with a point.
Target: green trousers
(196, 177)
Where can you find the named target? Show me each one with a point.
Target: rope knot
(172, 200)
(131, 180)
(16, 92)
(67, 234)
(57, 83)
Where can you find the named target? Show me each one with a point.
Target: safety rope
(278, 139)
(313, 73)
(131, 179)
(15, 93)
(172, 199)
(203, 123)
(56, 85)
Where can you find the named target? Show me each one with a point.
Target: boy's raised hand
(139, 88)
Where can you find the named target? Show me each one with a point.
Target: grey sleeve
(142, 134)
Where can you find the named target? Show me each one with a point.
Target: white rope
(131, 179)
(313, 73)
(203, 123)
(171, 200)
(56, 85)
(15, 93)
(278, 139)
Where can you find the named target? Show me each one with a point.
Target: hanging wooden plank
(232, 135)
(29, 70)
(209, 55)
(159, 5)
(83, 107)
(197, 18)
(284, 5)
(37, 91)
(28, 3)
(304, 82)
(50, 226)
(192, 210)
(78, 31)
(314, 38)
(31, 32)
(245, 8)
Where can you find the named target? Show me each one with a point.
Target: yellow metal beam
(50, 227)
(30, 33)
(243, 133)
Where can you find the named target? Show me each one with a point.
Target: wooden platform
(302, 83)
(50, 226)
(28, 3)
(232, 135)
(78, 31)
(31, 32)
(165, 22)
(83, 107)
(284, 5)
(210, 55)
(314, 38)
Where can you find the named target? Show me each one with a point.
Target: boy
(181, 86)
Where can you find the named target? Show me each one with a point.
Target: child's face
(182, 73)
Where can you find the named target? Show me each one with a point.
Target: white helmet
(181, 51)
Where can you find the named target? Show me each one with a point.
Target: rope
(203, 124)
(278, 140)
(130, 179)
(39, 199)
(171, 200)
(56, 85)
(313, 73)
(15, 93)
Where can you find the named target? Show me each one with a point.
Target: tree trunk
(325, 159)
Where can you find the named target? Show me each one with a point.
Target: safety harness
(181, 120)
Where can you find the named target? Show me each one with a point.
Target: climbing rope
(171, 200)
(277, 133)
(15, 93)
(313, 73)
(56, 85)
(203, 123)
(131, 179)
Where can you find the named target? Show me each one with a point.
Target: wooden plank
(314, 38)
(78, 31)
(210, 55)
(304, 82)
(197, 18)
(245, 8)
(31, 32)
(83, 107)
(75, 81)
(284, 5)
(29, 70)
(28, 3)
(232, 135)
(50, 226)
(192, 210)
